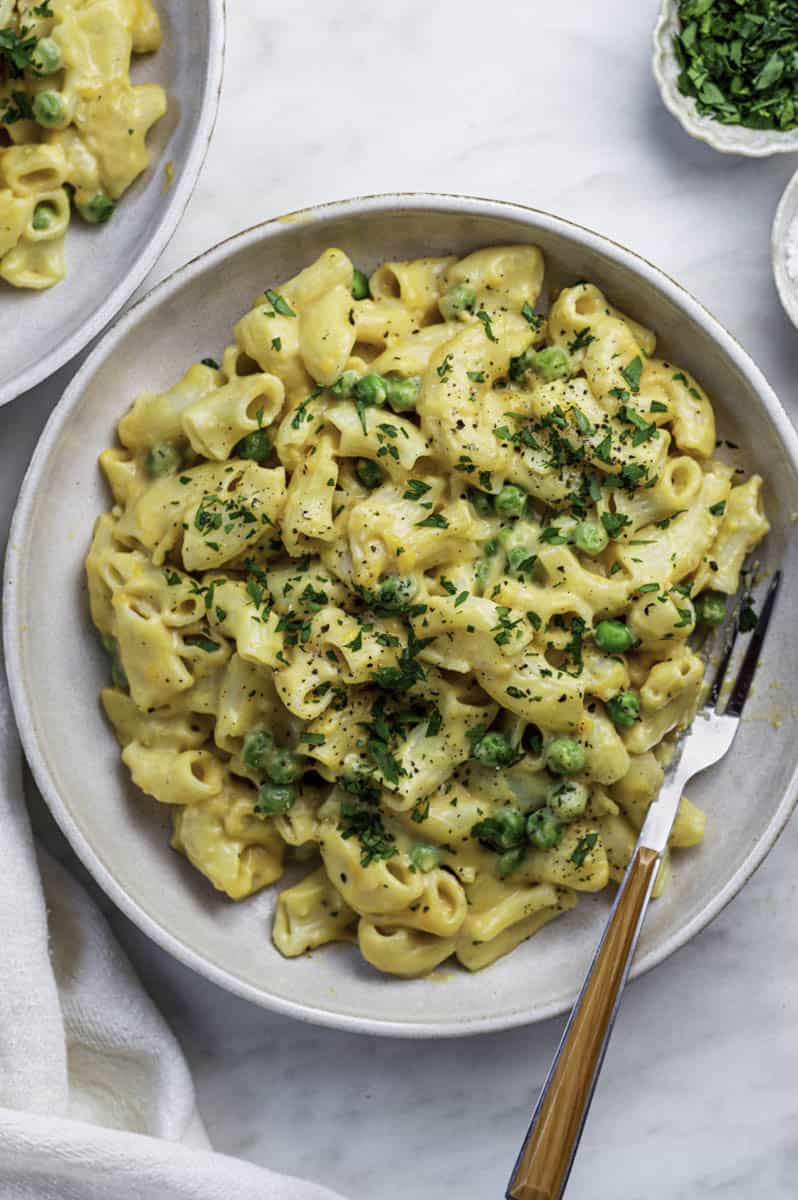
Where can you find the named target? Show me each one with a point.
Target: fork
(544, 1164)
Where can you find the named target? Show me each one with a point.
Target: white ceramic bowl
(105, 265)
(56, 667)
(728, 139)
(785, 215)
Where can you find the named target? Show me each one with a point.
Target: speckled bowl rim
(35, 478)
(726, 139)
(173, 209)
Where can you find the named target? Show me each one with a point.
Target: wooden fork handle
(544, 1163)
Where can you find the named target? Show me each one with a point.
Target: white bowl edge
(178, 201)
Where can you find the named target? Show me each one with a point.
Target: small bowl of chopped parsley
(728, 71)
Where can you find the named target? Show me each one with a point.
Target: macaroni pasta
(402, 588)
(72, 125)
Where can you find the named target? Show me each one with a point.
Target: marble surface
(553, 106)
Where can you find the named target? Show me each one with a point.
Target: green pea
(522, 363)
(360, 285)
(402, 394)
(511, 501)
(568, 799)
(274, 799)
(258, 744)
(590, 537)
(502, 831)
(283, 765)
(460, 298)
(552, 363)
(395, 591)
(368, 473)
(624, 710)
(543, 829)
(481, 501)
(342, 388)
(710, 608)
(43, 216)
(510, 861)
(565, 756)
(613, 636)
(256, 445)
(98, 209)
(46, 57)
(50, 109)
(424, 857)
(164, 458)
(494, 750)
(371, 389)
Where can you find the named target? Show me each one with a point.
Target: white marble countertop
(553, 106)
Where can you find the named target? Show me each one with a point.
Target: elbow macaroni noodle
(71, 122)
(403, 589)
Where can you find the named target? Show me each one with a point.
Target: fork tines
(742, 684)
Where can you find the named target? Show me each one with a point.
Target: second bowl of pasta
(406, 562)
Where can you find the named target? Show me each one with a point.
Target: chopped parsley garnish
(476, 376)
(445, 367)
(553, 537)
(503, 630)
(433, 521)
(364, 822)
(603, 450)
(279, 303)
(314, 598)
(415, 489)
(202, 643)
(409, 670)
(420, 812)
(582, 423)
(643, 429)
(582, 340)
(486, 325)
(312, 739)
(583, 848)
(434, 722)
(210, 362)
(16, 51)
(632, 372)
(302, 413)
(718, 509)
(531, 317)
(17, 108)
(614, 522)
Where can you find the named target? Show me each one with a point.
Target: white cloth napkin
(96, 1100)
